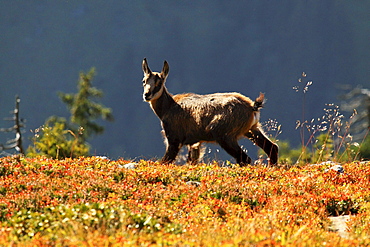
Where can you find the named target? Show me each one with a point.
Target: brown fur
(189, 119)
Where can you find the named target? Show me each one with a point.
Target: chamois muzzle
(147, 96)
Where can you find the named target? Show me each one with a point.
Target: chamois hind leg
(172, 150)
(193, 153)
(260, 139)
(232, 147)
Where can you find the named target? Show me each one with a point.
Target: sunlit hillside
(101, 202)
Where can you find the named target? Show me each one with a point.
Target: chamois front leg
(232, 147)
(172, 150)
(261, 140)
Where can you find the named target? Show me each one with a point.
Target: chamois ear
(165, 69)
(145, 67)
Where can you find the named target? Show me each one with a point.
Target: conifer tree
(84, 111)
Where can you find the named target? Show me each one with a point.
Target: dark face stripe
(157, 88)
(157, 85)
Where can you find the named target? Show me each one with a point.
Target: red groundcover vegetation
(101, 202)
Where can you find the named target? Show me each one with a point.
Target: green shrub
(64, 220)
(56, 140)
(365, 149)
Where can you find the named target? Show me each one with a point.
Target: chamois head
(153, 82)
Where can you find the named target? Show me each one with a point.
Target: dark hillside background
(211, 46)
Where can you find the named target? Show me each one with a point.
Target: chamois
(190, 119)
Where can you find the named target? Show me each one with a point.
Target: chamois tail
(258, 103)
